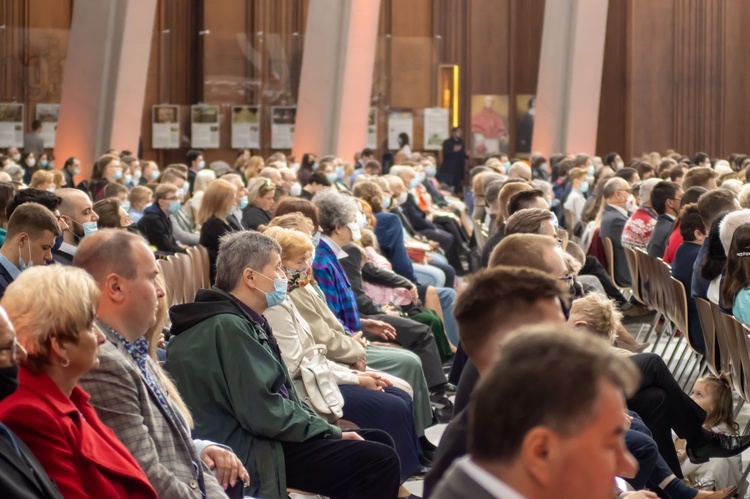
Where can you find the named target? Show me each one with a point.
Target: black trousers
(594, 267)
(447, 242)
(663, 406)
(344, 468)
(417, 338)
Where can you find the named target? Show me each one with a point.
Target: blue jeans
(447, 301)
(427, 275)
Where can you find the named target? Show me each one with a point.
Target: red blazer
(79, 453)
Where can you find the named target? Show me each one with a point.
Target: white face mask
(31, 162)
(296, 189)
(401, 199)
(356, 233)
(630, 205)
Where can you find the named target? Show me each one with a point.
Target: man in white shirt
(563, 434)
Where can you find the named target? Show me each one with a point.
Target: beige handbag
(316, 385)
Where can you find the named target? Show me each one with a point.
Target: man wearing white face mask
(32, 230)
(76, 210)
(614, 217)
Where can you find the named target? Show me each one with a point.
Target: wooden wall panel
(613, 109)
(736, 81)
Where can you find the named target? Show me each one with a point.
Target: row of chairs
(184, 274)
(652, 284)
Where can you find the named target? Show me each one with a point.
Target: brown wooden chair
(610, 252)
(728, 343)
(196, 262)
(205, 265)
(679, 316)
(186, 281)
(743, 351)
(634, 277)
(166, 269)
(714, 357)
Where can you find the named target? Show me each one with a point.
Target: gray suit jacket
(660, 236)
(161, 445)
(457, 483)
(613, 222)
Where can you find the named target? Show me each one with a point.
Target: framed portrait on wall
(165, 127)
(245, 127)
(204, 126)
(490, 133)
(11, 124)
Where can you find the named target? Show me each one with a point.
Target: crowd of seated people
(338, 303)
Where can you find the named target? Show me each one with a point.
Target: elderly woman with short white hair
(48, 411)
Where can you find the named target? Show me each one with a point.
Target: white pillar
(570, 76)
(105, 79)
(336, 79)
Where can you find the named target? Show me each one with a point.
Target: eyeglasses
(13, 347)
(559, 242)
(567, 279)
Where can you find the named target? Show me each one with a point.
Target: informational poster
(204, 126)
(245, 127)
(489, 125)
(399, 122)
(524, 124)
(165, 127)
(11, 125)
(372, 129)
(436, 128)
(282, 126)
(48, 114)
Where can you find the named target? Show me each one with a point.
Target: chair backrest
(632, 260)
(645, 276)
(205, 266)
(610, 252)
(188, 279)
(166, 269)
(569, 219)
(196, 261)
(728, 343)
(743, 343)
(713, 350)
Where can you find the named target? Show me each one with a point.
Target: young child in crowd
(714, 395)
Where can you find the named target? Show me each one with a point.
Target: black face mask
(8, 380)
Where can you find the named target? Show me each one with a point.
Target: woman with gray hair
(341, 222)
(260, 196)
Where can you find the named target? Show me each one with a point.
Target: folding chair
(714, 359)
(610, 252)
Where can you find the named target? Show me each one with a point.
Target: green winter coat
(229, 376)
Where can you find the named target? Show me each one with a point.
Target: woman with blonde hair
(370, 399)
(43, 180)
(48, 411)
(218, 204)
(203, 179)
(260, 202)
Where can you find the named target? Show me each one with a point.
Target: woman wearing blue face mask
(156, 225)
(218, 205)
(106, 169)
(540, 168)
(576, 199)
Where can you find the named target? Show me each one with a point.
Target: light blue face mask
(125, 205)
(585, 186)
(201, 165)
(174, 206)
(430, 171)
(340, 172)
(507, 166)
(154, 174)
(316, 238)
(386, 203)
(128, 179)
(591, 170)
(89, 228)
(243, 203)
(118, 174)
(332, 177)
(414, 183)
(278, 294)
(44, 163)
(420, 177)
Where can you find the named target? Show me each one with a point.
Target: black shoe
(426, 459)
(718, 446)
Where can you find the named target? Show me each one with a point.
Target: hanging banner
(11, 125)
(436, 128)
(204, 126)
(245, 127)
(399, 122)
(282, 126)
(372, 129)
(165, 127)
(48, 114)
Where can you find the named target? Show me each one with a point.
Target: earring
(65, 362)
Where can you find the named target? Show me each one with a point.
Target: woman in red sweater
(52, 309)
